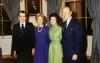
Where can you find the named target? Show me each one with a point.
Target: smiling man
(71, 37)
(23, 39)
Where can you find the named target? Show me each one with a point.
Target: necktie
(22, 26)
(65, 24)
(22, 29)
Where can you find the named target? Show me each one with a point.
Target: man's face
(22, 17)
(66, 12)
(33, 3)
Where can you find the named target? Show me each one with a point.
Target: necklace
(40, 29)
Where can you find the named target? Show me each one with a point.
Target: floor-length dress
(42, 45)
(55, 48)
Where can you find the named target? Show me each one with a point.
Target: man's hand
(33, 50)
(14, 54)
(74, 57)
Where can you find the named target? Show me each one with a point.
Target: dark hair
(22, 11)
(27, 16)
(58, 18)
(41, 15)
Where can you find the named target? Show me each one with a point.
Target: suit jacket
(72, 39)
(23, 44)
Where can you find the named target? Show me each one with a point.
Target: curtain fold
(12, 8)
(1, 55)
(94, 11)
(53, 6)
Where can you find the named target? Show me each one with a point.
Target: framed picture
(33, 6)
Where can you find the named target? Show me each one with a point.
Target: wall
(5, 44)
(89, 46)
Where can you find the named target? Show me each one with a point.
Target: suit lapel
(70, 24)
(19, 29)
(18, 26)
(69, 29)
(26, 27)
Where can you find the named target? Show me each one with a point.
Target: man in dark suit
(23, 39)
(71, 38)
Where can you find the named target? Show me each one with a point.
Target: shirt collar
(68, 20)
(24, 23)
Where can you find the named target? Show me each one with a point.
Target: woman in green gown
(55, 33)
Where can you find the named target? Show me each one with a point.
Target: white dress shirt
(68, 20)
(24, 23)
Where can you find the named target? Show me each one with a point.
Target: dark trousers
(22, 58)
(66, 60)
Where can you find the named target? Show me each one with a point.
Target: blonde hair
(41, 15)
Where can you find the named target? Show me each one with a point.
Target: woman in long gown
(55, 33)
(42, 40)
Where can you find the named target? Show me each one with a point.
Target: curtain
(1, 55)
(94, 11)
(53, 6)
(12, 8)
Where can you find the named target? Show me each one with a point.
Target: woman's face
(39, 20)
(53, 21)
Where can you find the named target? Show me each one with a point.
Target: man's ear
(71, 12)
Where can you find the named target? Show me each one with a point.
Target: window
(5, 23)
